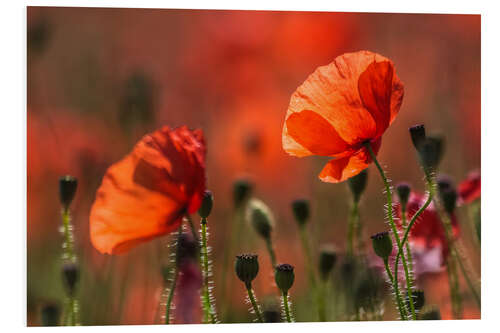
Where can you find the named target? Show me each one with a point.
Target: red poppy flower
(428, 231)
(146, 194)
(470, 189)
(338, 108)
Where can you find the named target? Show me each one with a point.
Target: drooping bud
(382, 244)
(418, 299)
(327, 261)
(187, 248)
(403, 190)
(67, 190)
(261, 218)
(431, 152)
(430, 313)
(417, 134)
(71, 274)
(357, 184)
(301, 210)
(50, 314)
(284, 277)
(206, 204)
(242, 189)
(449, 198)
(247, 267)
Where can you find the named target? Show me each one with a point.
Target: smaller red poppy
(428, 230)
(146, 194)
(470, 189)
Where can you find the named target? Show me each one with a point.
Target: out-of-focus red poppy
(339, 107)
(470, 189)
(187, 295)
(146, 194)
(428, 230)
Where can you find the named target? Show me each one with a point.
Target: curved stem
(394, 283)
(287, 308)
(409, 256)
(170, 296)
(209, 312)
(254, 303)
(71, 318)
(393, 226)
(351, 228)
(269, 245)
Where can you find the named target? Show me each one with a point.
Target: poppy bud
(67, 190)
(430, 313)
(449, 198)
(444, 182)
(431, 152)
(50, 314)
(242, 189)
(187, 248)
(357, 184)
(300, 209)
(327, 260)
(382, 244)
(260, 217)
(284, 277)
(418, 299)
(417, 134)
(206, 204)
(71, 274)
(247, 267)
(403, 190)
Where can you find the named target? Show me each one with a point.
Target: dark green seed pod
(430, 313)
(382, 244)
(206, 204)
(403, 190)
(67, 190)
(418, 299)
(284, 277)
(242, 189)
(301, 211)
(431, 152)
(327, 261)
(449, 198)
(357, 184)
(261, 218)
(71, 274)
(247, 267)
(50, 314)
(417, 134)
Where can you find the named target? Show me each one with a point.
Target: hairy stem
(254, 303)
(394, 283)
(272, 255)
(287, 308)
(208, 308)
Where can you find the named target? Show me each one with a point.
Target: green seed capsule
(382, 244)
(284, 277)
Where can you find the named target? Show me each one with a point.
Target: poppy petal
(315, 133)
(146, 194)
(340, 169)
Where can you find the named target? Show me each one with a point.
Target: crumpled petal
(146, 194)
(335, 93)
(340, 169)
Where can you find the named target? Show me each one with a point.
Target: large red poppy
(470, 189)
(338, 108)
(146, 194)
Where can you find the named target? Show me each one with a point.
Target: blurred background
(99, 79)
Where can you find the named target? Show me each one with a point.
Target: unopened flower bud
(403, 190)
(418, 299)
(417, 134)
(444, 182)
(430, 313)
(242, 189)
(247, 267)
(284, 277)
(71, 274)
(67, 190)
(382, 244)
(327, 260)
(187, 248)
(260, 216)
(50, 314)
(431, 152)
(206, 204)
(300, 210)
(357, 184)
(449, 198)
